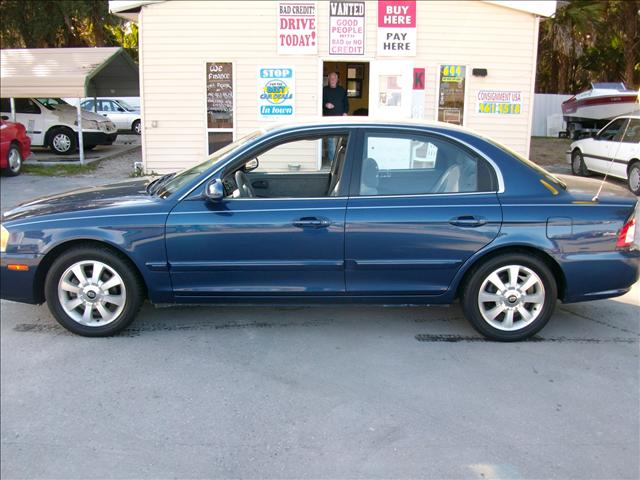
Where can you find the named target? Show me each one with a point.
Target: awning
(68, 72)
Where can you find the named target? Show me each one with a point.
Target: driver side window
(301, 168)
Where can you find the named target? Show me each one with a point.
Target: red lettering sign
(398, 13)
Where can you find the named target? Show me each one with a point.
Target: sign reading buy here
(396, 28)
(297, 28)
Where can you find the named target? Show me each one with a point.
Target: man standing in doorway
(334, 98)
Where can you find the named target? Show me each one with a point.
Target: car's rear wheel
(63, 141)
(137, 127)
(633, 178)
(93, 292)
(14, 161)
(510, 297)
(578, 167)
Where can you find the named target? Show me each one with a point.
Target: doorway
(354, 78)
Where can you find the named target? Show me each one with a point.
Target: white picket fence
(547, 115)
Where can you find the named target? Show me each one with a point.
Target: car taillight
(627, 234)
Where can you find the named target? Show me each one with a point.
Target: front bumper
(20, 286)
(98, 138)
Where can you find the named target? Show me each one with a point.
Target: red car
(15, 146)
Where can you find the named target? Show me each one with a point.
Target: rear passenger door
(420, 206)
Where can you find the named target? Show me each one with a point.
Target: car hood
(123, 194)
(69, 113)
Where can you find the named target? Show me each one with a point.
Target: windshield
(126, 105)
(49, 102)
(528, 163)
(174, 182)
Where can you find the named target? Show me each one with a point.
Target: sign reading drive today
(396, 28)
(297, 28)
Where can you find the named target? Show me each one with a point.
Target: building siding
(180, 37)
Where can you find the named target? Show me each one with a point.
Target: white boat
(602, 102)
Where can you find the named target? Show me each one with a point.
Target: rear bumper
(592, 276)
(19, 286)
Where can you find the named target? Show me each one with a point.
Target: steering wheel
(242, 181)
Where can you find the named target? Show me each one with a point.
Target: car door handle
(311, 222)
(468, 221)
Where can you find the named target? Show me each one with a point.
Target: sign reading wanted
(346, 28)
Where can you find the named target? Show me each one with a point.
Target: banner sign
(297, 28)
(219, 95)
(276, 86)
(499, 102)
(346, 28)
(397, 28)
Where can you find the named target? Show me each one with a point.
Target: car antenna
(613, 156)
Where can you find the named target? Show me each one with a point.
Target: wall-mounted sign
(297, 28)
(276, 92)
(499, 102)
(418, 78)
(451, 94)
(219, 95)
(346, 28)
(396, 28)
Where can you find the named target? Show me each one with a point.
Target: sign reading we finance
(397, 28)
(297, 28)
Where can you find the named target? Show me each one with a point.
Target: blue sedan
(330, 212)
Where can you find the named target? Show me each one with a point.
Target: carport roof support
(68, 72)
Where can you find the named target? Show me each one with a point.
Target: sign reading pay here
(396, 28)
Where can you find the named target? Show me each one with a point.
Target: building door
(390, 89)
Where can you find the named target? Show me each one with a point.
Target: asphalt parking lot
(323, 392)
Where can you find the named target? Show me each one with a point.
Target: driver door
(289, 244)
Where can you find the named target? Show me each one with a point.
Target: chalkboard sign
(219, 95)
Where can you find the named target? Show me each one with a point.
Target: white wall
(178, 37)
(544, 106)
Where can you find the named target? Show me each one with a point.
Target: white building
(213, 71)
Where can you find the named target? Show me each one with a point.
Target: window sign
(499, 102)
(396, 28)
(297, 28)
(346, 28)
(276, 93)
(220, 109)
(451, 95)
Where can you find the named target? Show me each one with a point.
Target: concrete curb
(88, 161)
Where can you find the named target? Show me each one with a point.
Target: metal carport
(68, 72)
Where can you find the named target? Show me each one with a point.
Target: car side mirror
(251, 165)
(214, 191)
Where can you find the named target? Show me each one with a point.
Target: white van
(53, 123)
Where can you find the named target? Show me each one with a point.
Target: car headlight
(4, 238)
(92, 124)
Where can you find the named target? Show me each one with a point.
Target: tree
(63, 23)
(588, 40)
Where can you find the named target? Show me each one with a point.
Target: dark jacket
(337, 96)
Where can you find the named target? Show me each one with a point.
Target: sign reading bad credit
(297, 28)
(396, 28)
(346, 28)
(276, 98)
(499, 102)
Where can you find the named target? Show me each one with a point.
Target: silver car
(119, 112)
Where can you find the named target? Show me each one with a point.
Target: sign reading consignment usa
(346, 28)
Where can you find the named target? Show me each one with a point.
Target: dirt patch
(548, 151)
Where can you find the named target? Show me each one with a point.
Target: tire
(578, 167)
(137, 127)
(109, 310)
(489, 299)
(633, 178)
(14, 161)
(63, 141)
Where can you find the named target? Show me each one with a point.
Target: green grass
(58, 170)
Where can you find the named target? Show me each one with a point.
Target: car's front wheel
(578, 167)
(510, 297)
(93, 292)
(63, 141)
(633, 178)
(14, 161)
(137, 127)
